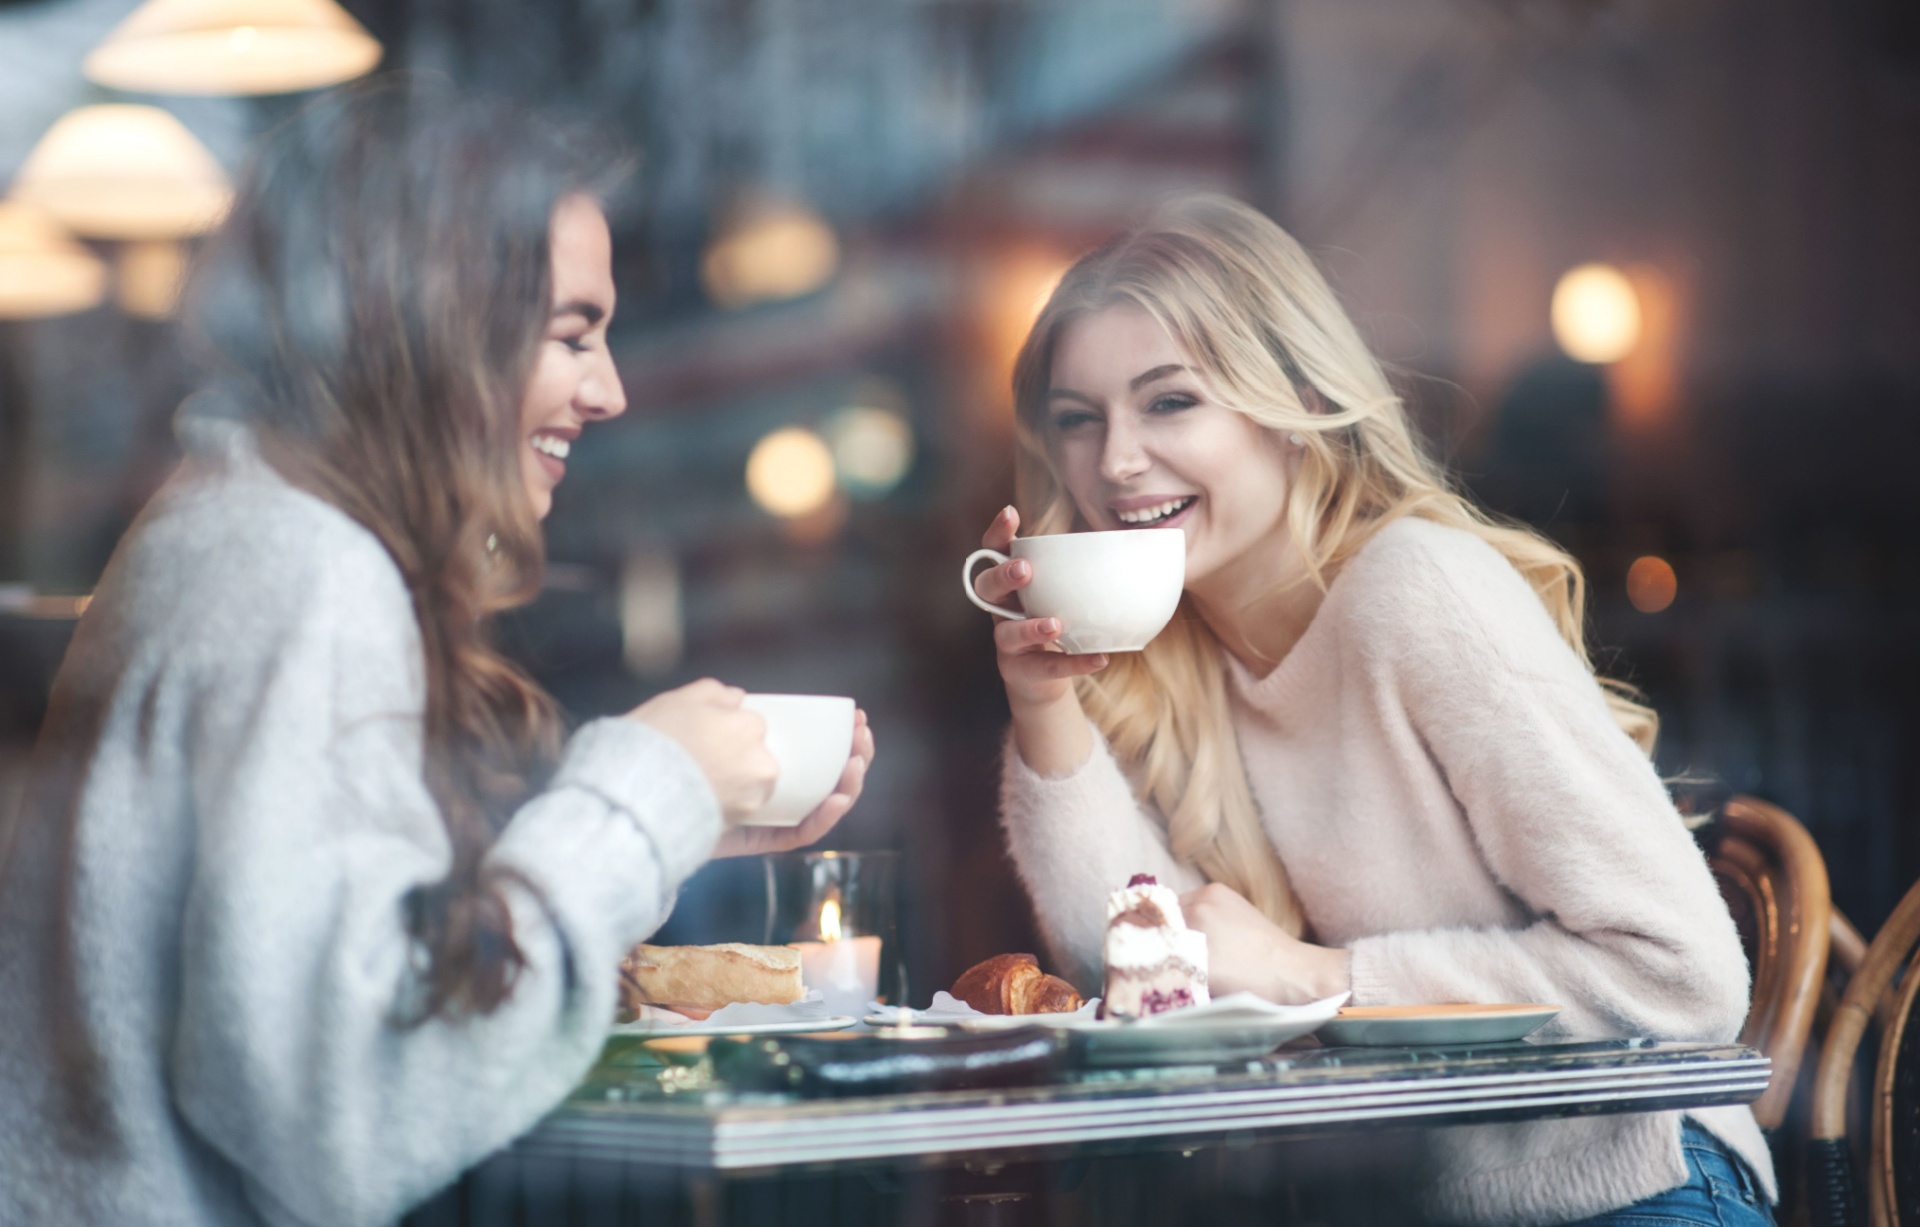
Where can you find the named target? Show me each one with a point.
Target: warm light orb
(1596, 314)
(790, 472)
(1651, 584)
(872, 449)
(770, 253)
(116, 171)
(233, 47)
(43, 271)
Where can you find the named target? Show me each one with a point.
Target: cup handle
(966, 582)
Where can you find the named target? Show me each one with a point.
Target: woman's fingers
(1060, 664)
(863, 744)
(1000, 533)
(996, 584)
(1029, 635)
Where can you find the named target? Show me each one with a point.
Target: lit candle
(846, 970)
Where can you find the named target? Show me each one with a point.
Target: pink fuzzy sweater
(1456, 806)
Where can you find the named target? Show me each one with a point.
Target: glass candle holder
(838, 909)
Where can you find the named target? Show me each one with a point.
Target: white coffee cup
(811, 737)
(1112, 591)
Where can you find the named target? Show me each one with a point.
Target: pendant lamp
(42, 270)
(148, 276)
(116, 171)
(233, 47)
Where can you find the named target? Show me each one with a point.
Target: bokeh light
(233, 47)
(1651, 584)
(148, 278)
(790, 472)
(770, 253)
(872, 449)
(1596, 314)
(43, 271)
(121, 171)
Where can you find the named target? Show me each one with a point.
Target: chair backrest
(1886, 988)
(1775, 883)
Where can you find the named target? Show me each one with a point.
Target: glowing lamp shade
(124, 172)
(769, 254)
(1651, 584)
(233, 47)
(42, 270)
(872, 450)
(790, 472)
(1596, 314)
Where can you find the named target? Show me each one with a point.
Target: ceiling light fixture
(233, 47)
(43, 271)
(116, 171)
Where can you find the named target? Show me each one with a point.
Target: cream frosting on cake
(1155, 963)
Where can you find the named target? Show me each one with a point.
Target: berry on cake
(1155, 963)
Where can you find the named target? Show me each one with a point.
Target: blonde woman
(1370, 749)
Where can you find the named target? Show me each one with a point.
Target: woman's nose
(1122, 457)
(601, 395)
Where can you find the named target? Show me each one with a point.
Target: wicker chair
(1883, 991)
(1775, 883)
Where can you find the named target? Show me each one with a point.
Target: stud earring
(1293, 437)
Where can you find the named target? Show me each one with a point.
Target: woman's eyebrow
(1069, 394)
(593, 313)
(1159, 372)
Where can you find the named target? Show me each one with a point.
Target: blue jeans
(1719, 1192)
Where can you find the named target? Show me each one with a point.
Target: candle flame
(830, 921)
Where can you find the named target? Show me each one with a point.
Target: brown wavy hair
(373, 306)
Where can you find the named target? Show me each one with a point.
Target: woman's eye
(1073, 418)
(577, 344)
(1173, 402)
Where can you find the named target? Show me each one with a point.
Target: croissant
(1014, 984)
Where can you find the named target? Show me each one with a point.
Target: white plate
(1240, 1027)
(1435, 1026)
(660, 1030)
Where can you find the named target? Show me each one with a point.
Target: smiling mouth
(551, 445)
(1159, 513)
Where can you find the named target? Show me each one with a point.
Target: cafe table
(639, 1143)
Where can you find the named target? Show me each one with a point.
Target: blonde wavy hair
(1246, 303)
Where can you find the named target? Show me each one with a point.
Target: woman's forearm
(1053, 738)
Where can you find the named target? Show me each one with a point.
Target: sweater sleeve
(1630, 935)
(1074, 840)
(292, 1055)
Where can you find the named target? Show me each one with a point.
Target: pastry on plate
(1014, 984)
(697, 980)
(1155, 963)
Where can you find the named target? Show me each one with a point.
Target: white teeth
(557, 448)
(1160, 511)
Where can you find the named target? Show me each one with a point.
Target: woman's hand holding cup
(728, 742)
(758, 840)
(1037, 673)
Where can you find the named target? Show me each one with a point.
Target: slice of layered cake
(1155, 963)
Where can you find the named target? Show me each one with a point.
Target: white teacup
(1112, 591)
(811, 737)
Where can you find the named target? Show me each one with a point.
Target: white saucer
(1435, 1026)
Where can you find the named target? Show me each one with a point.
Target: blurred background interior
(1647, 271)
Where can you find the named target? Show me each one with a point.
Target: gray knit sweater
(202, 946)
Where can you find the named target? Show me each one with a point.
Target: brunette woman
(1371, 746)
(312, 903)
